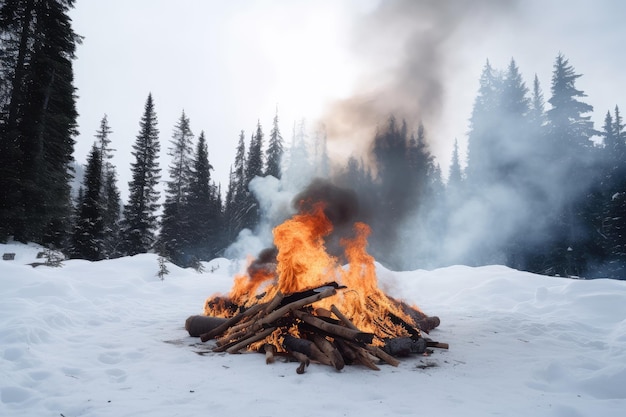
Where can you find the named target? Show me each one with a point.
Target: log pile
(290, 326)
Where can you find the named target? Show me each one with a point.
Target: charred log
(304, 362)
(235, 347)
(269, 350)
(347, 353)
(363, 357)
(422, 321)
(428, 323)
(415, 333)
(310, 292)
(439, 345)
(376, 351)
(222, 303)
(334, 329)
(198, 325)
(231, 322)
(295, 344)
(404, 346)
(329, 350)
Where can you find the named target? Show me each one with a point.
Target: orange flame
(302, 258)
(304, 263)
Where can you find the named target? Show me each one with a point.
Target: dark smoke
(410, 47)
(341, 206)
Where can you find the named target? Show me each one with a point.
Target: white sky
(229, 64)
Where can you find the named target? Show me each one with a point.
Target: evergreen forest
(542, 189)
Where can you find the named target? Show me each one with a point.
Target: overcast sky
(229, 64)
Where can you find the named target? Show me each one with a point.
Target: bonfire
(298, 301)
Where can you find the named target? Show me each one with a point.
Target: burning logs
(289, 326)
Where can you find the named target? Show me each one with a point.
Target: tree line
(541, 190)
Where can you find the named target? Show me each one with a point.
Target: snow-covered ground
(107, 339)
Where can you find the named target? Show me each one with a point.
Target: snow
(107, 339)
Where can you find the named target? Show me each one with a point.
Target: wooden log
(342, 317)
(296, 344)
(270, 350)
(243, 324)
(414, 332)
(230, 322)
(322, 312)
(439, 345)
(363, 357)
(346, 351)
(375, 350)
(428, 323)
(304, 361)
(328, 292)
(253, 316)
(254, 338)
(199, 325)
(277, 314)
(236, 335)
(329, 350)
(334, 329)
(288, 299)
(382, 355)
(275, 302)
(422, 321)
(404, 346)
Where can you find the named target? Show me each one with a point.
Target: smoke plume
(410, 48)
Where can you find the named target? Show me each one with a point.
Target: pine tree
(507, 158)
(537, 159)
(111, 215)
(510, 124)
(613, 219)
(620, 146)
(175, 230)
(204, 207)
(390, 151)
(537, 112)
(455, 175)
(254, 168)
(608, 134)
(38, 120)
(234, 210)
(275, 151)
(570, 129)
(483, 135)
(88, 237)
(254, 162)
(357, 177)
(614, 140)
(569, 134)
(104, 142)
(139, 218)
(110, 196)
(395, 188)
